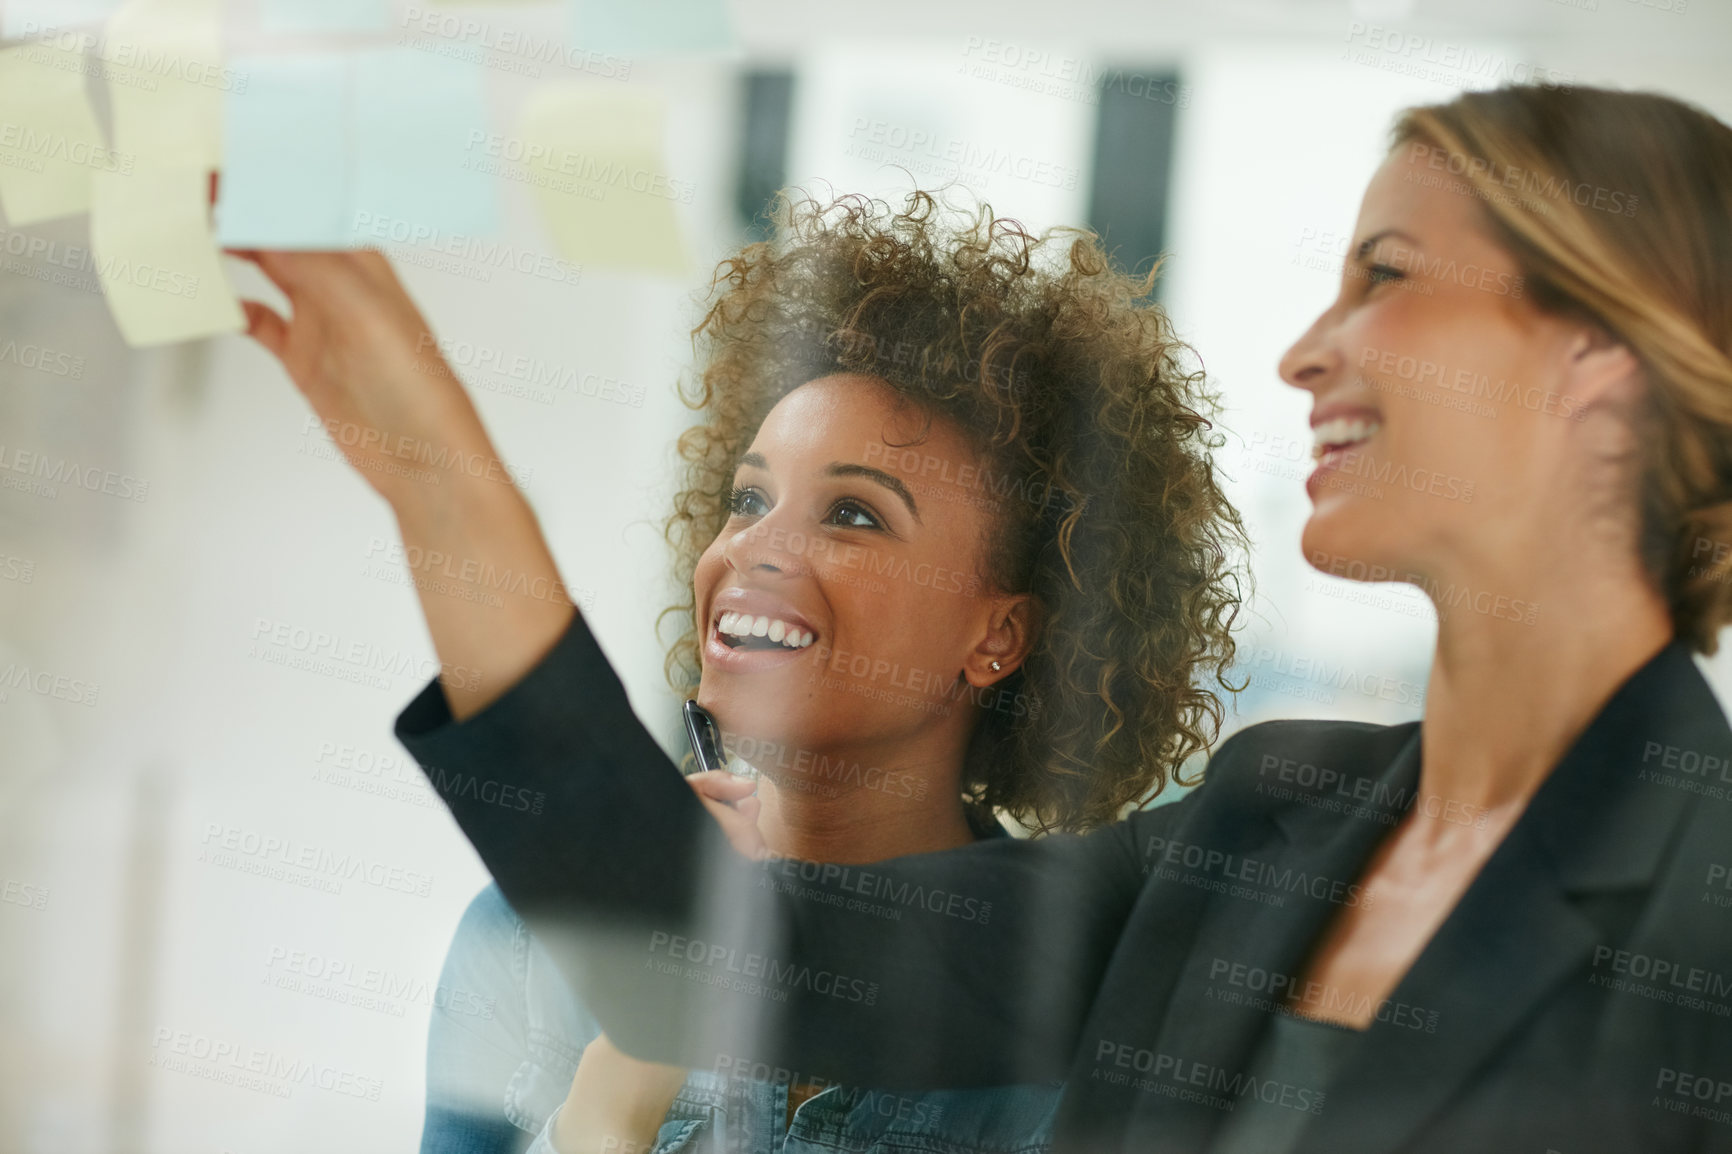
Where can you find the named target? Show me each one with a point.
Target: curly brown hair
(1071, 385)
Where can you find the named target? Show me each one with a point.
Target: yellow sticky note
(594, 160)
(166, 81)
(161, 270)
(50, 143)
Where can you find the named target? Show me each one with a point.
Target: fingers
(614, 1094)
(740, 828)
(280, 268)
(722, 785)
(375, 264)
(266, 326)
(296, 270)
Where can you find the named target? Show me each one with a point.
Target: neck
(1507, 699)
(861, 812)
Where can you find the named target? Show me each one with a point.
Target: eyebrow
(895, 485)
(841, 469)
(1364, 247)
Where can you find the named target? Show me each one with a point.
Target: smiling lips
(744, 631)
(1338, 434)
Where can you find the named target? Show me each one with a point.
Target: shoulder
(488, 913)
(490, 939)
(1262, 762)
(1356, 745)
(1268, 767)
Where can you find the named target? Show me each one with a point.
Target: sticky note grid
(321, 147)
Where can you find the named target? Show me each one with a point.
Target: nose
(768, 546)
(1312, 362)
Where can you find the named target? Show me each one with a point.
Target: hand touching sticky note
(594, 160)
(50, 143)
(161, 271)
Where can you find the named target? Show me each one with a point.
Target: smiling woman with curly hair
(1092, 440)
(954, 550)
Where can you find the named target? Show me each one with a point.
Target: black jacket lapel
(1596, 824)
(1310, 858)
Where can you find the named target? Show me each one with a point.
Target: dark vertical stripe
(769, 101)
(1132, 174)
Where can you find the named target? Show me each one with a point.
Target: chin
(757, 719)
(1345, 538)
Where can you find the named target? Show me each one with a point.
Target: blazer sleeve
(969, 967)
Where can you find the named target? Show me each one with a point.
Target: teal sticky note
(420, 119)
(634, 28)
(324, 15)
(27, 19)
(288, 171)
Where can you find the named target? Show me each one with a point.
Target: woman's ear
(1004, 643)
(1600, 368)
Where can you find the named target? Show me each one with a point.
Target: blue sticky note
(324, 15)
(288, 171)
(651, 27)
(420, 123)
(26, 19)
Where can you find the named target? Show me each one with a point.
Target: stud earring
(995, 667)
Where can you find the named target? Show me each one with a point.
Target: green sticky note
(324, 15)
(417, 117)
(326, 150)
(50, 143)
(159, 264)
(288, 173)
(652, 27)
(594, 160)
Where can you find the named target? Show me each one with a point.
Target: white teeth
(774, 629)
(1341, 432)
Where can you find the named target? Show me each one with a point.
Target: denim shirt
(505, 1040)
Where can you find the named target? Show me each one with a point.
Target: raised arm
(974, 967)
(361, 353)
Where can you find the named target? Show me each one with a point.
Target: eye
(853, 514)
(1378, 274)
(746, 502)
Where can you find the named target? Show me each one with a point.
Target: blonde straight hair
(1617, 206)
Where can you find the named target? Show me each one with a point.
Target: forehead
(1414, 191)
(858, 419)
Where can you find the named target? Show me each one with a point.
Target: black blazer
(1576, 999)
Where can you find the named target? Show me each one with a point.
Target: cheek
(708, 573)
(894, 617)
